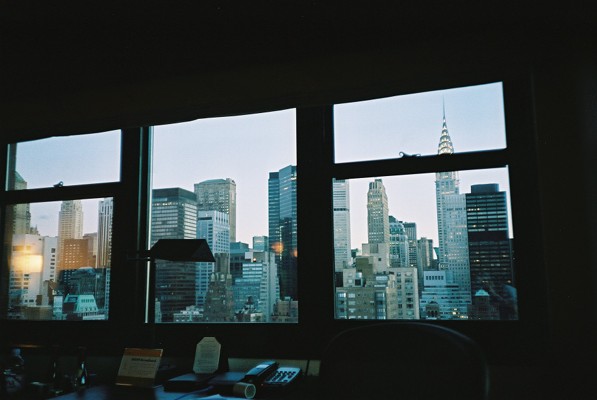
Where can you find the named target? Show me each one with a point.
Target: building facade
(341, 206)
(451, 219)
(218, 195)
(283, 227)
(174, 216)
(490, 253)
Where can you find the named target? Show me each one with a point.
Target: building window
(62, 248)
(233, 182)
(431, 196)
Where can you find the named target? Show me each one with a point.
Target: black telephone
(269, 376)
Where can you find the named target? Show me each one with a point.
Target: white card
(207, 356)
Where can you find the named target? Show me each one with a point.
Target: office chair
(403, 361)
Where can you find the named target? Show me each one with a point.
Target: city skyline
(265, 143)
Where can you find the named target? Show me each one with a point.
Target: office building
(76, 254)
(70, 226)
(260, 243)
(399, 245)
(451, 218)
(21, 214)
(258, 289)
(443, 298)
(92, 248)
(218, 195)
(282, 214)
(483, 308)
(219, 299)
(174, 216)
(378, 226)
(489, 243)
(341, 206)
(214, 227)
(104, 232)
(410, 228)
(238, 252)
(25, 272)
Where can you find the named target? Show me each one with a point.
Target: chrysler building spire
(445, 143)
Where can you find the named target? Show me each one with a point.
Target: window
(231, 181)
(370, 242)
(398, 219)
(61, 250)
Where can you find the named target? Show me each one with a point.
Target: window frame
(316, 168)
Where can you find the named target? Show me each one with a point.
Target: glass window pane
(471, 117)
(425, 246)
(59, 263)
(72, 160)
(231, 181)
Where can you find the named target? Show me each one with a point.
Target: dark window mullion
(63, 193)
(129, 228)
(423, 164)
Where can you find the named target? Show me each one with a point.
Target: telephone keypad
(283, 376)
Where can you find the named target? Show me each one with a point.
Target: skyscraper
(213, 226)
(451, 218)
(399, 250)
(218, 195)
(21, 212)
(104, 232)
(219, 299)
(70, 226)
(489, 244)
(283, 227)
(378, 224)
(174, 216)
(341, 205)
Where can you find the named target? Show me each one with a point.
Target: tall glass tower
(174, 216)
(489, 246)
(283, 227)
(341, 204)
(451, 218)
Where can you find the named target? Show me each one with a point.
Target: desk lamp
(191, 250)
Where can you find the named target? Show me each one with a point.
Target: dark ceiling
(61, 48)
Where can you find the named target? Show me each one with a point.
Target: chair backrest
(403, 361)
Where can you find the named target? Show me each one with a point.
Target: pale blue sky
(247, 148)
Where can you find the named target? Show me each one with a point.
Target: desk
(303, 390)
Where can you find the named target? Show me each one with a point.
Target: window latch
(59, 184)
(404, 155)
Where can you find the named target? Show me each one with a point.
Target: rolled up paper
(244, 390)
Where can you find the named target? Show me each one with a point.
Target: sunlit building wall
(70, 226)
(26, 265)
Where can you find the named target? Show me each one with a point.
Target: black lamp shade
(181, 250)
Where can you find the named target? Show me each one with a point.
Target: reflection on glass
(71, 160)
(59, 263)
(427, 246)
(231, 181)
(390, 127)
